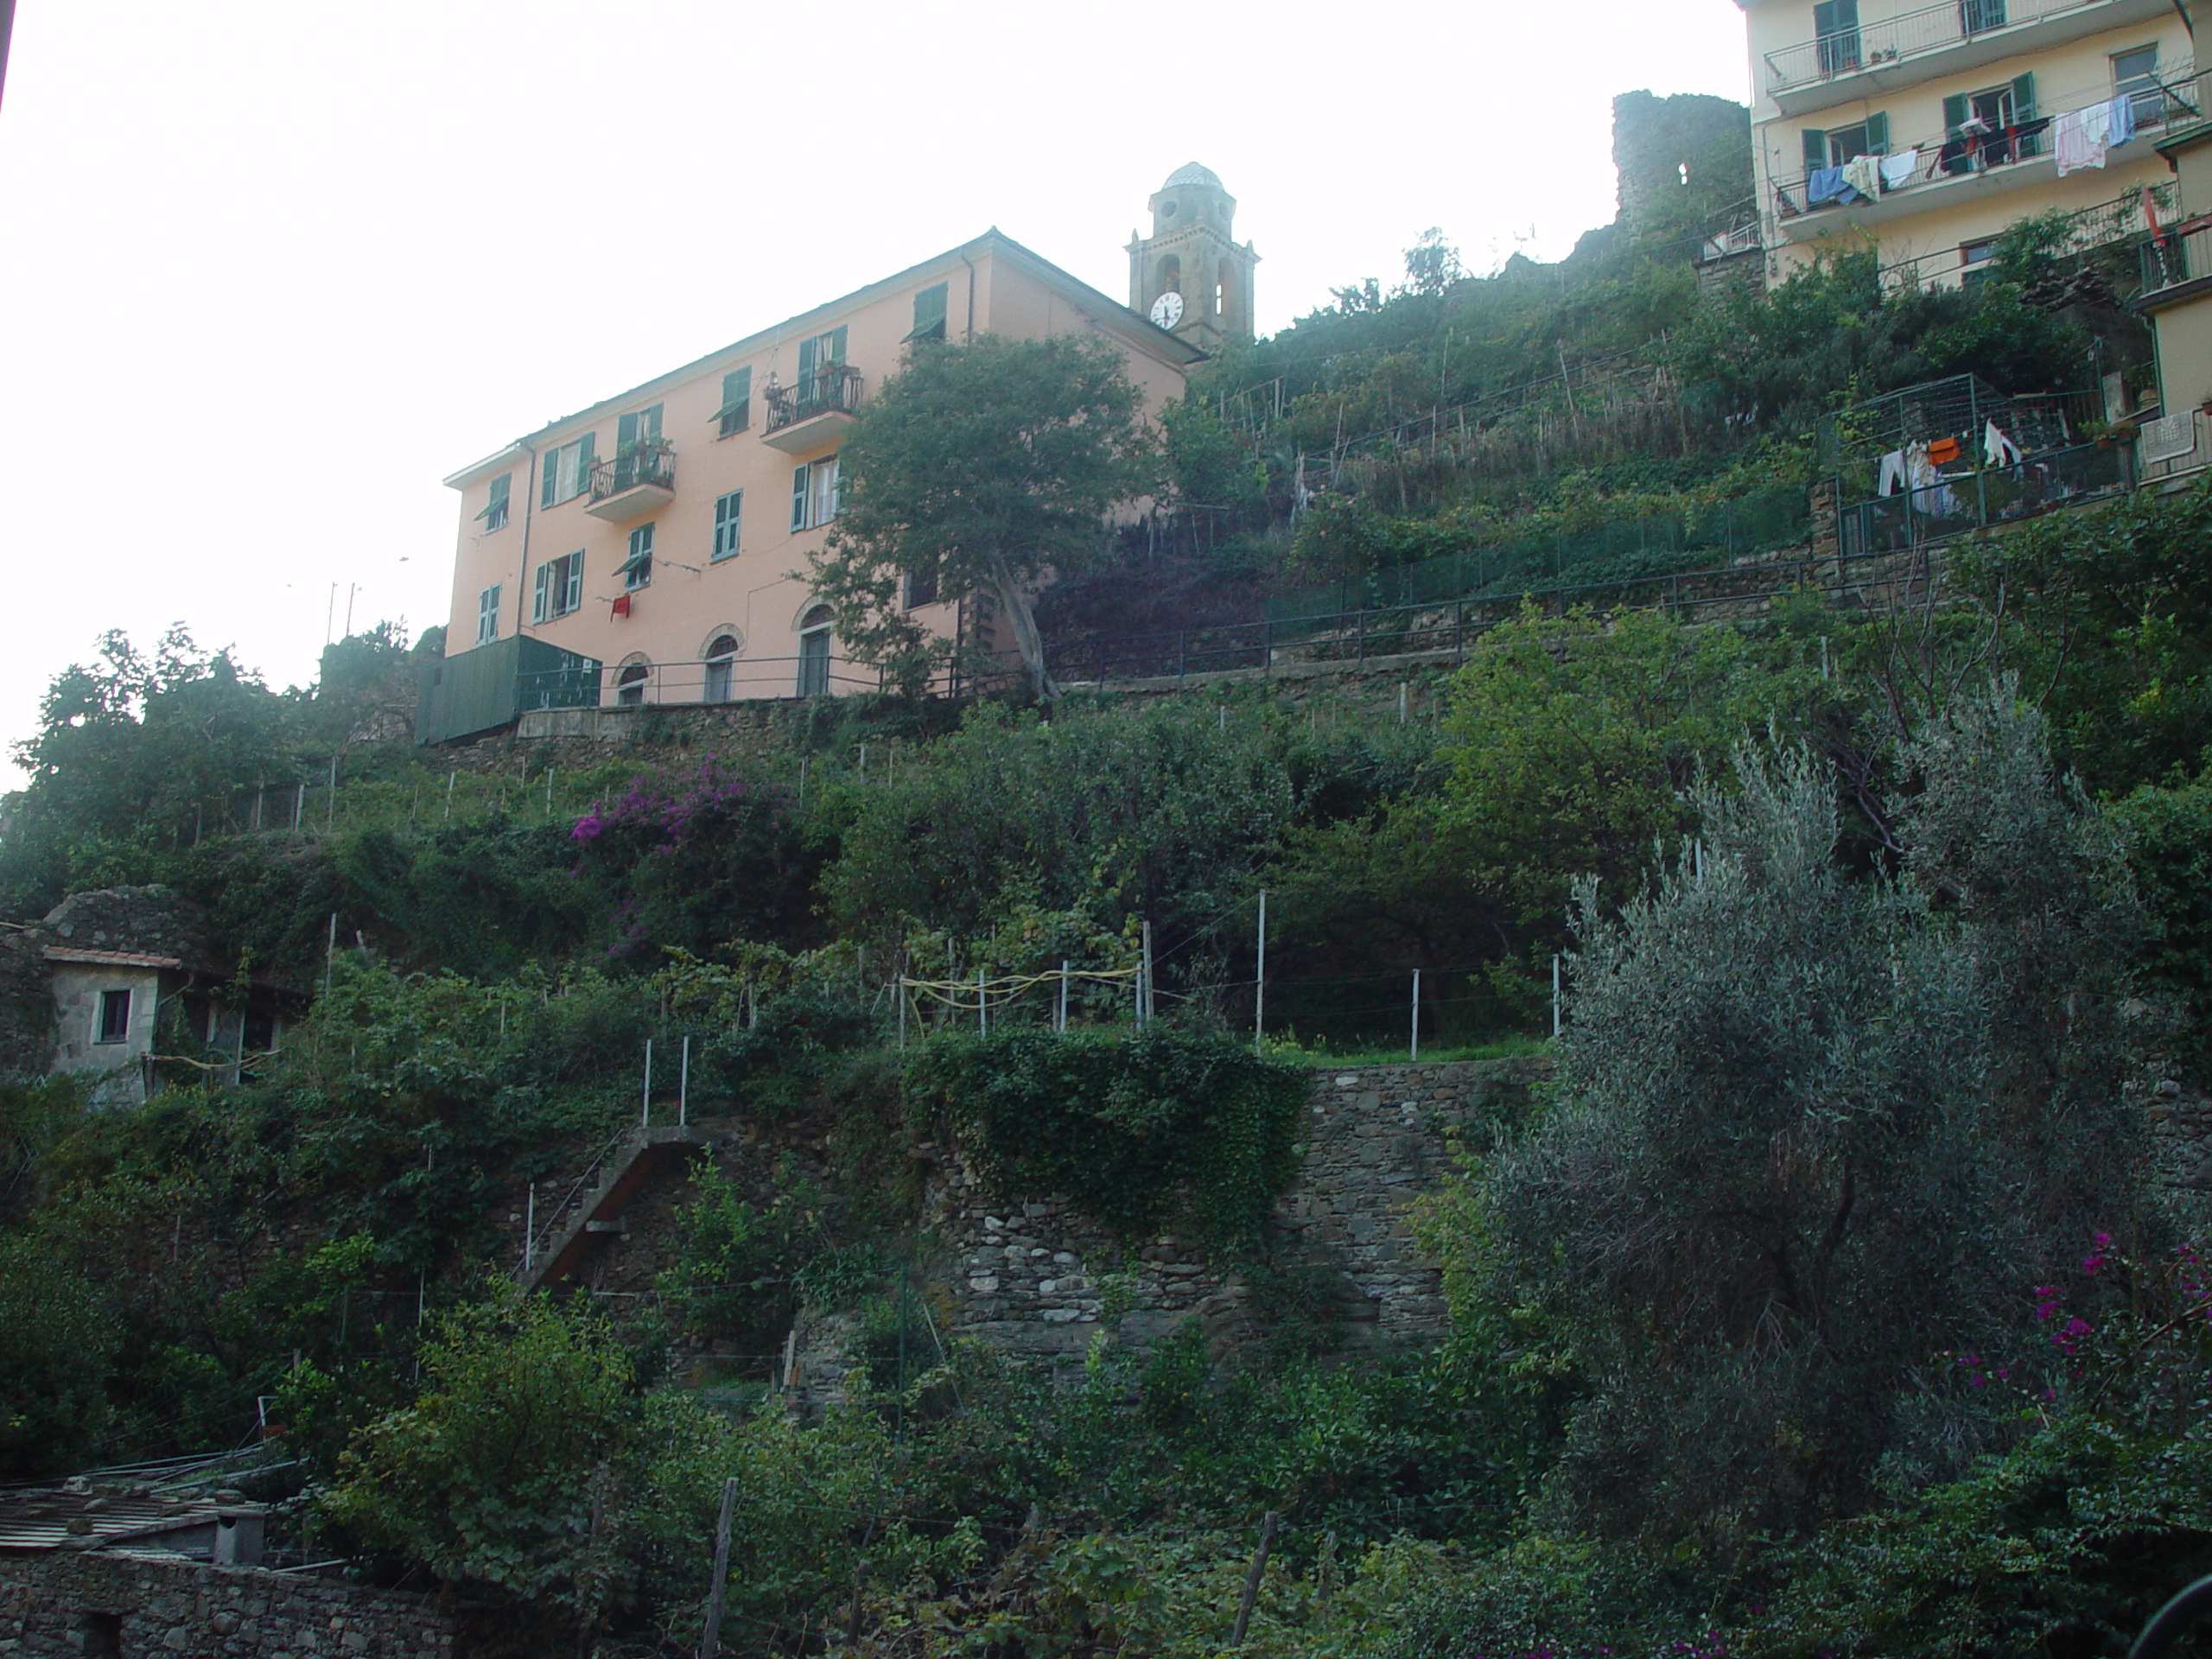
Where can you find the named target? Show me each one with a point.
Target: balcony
(1946, 174)
(2177, 266)
(813, 412)
(1903, 51)
(630, 484)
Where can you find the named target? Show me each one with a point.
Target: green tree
(1816, 1130)
(530, 1471)
(984, 468)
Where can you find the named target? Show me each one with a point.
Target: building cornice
(1136, 331)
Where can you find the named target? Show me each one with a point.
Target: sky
(275, 268)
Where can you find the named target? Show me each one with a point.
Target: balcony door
(818, 356)
(1975, 16)
(814, 653)
(1835, 29)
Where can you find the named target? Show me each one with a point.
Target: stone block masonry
(80, 1604)
(1036, 1278)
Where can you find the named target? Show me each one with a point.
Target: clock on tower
(1190, 276)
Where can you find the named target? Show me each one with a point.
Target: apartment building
(652, 547)
(1929, 130)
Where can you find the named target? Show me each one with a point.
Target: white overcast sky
(273, 267)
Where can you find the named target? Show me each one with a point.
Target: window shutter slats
(799, 497)
(1816, 148)
(1878, 134)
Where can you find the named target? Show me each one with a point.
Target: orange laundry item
(1943, 451)
(622, 600)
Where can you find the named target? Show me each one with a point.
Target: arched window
(814, 653)
(721, 658)
(1171, 275)
(630, 684)
(1224, 292)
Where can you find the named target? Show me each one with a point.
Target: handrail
(834, 390)
(1912, 34)
(535, 1245)
(649, 463)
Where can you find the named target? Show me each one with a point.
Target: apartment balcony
(1879, 56)
(813, 412)
(632, 485)
(1946, 175)
(2177, 266)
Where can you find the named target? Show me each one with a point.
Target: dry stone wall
(1033, 1276)
(79, 1604)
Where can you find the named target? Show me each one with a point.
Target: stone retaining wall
(108, 1606)
(1036, 1278)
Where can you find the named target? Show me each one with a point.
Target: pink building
(652, 547)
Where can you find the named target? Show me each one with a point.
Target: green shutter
(799, 497)
(1824, 17)
(650, 424)
(1878, 133)
(626, 433)
(538, 601)
(929, 313)
(1816, 148)
(586, 455)
(2024, 110)
(551, 461)
(736, 410)
(837, 346)
(806, 360)
(1955, 114)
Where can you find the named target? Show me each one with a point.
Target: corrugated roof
(109, 958)
(102, 1517)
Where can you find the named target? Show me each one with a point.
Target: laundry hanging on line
(1996, 449)
(1863, 174)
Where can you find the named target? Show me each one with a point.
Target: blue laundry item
(1823, 184)
(2121, 122)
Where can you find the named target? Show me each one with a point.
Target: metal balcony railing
(1893, 38)
(648, 463)
(833, 390)
(2182, 255)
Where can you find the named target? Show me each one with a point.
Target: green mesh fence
(1653, 544)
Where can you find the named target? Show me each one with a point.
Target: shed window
(115, 1016)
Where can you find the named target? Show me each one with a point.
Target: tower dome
(1191, 173)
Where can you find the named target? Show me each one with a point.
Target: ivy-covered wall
(1034, 1275)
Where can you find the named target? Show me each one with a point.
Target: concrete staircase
(592, 1208)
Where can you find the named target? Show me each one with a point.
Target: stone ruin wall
(73, 1603)
(1039, 1280)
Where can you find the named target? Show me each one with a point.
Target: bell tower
(1190, 275)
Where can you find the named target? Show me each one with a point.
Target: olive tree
(1817, 1130)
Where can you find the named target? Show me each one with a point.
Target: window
(1975, 16)
(817, 358)
(929, 313)
(1835, 29)
(736, 412)
(495, 506)
(115, 1017)
(921, 588)
(727, 512)
(814, 653)
(816, 496)
(629, 685)
(721, 658)
(1974, 260)
(487, 616)
(1980, 129)
(639, 427)
(638, 568)
(1833, 146)
(2135, 77)
(568, 470)
(560, 587)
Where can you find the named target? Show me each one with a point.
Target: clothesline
(2080, 138)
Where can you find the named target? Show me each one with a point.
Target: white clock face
(1167, 309)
